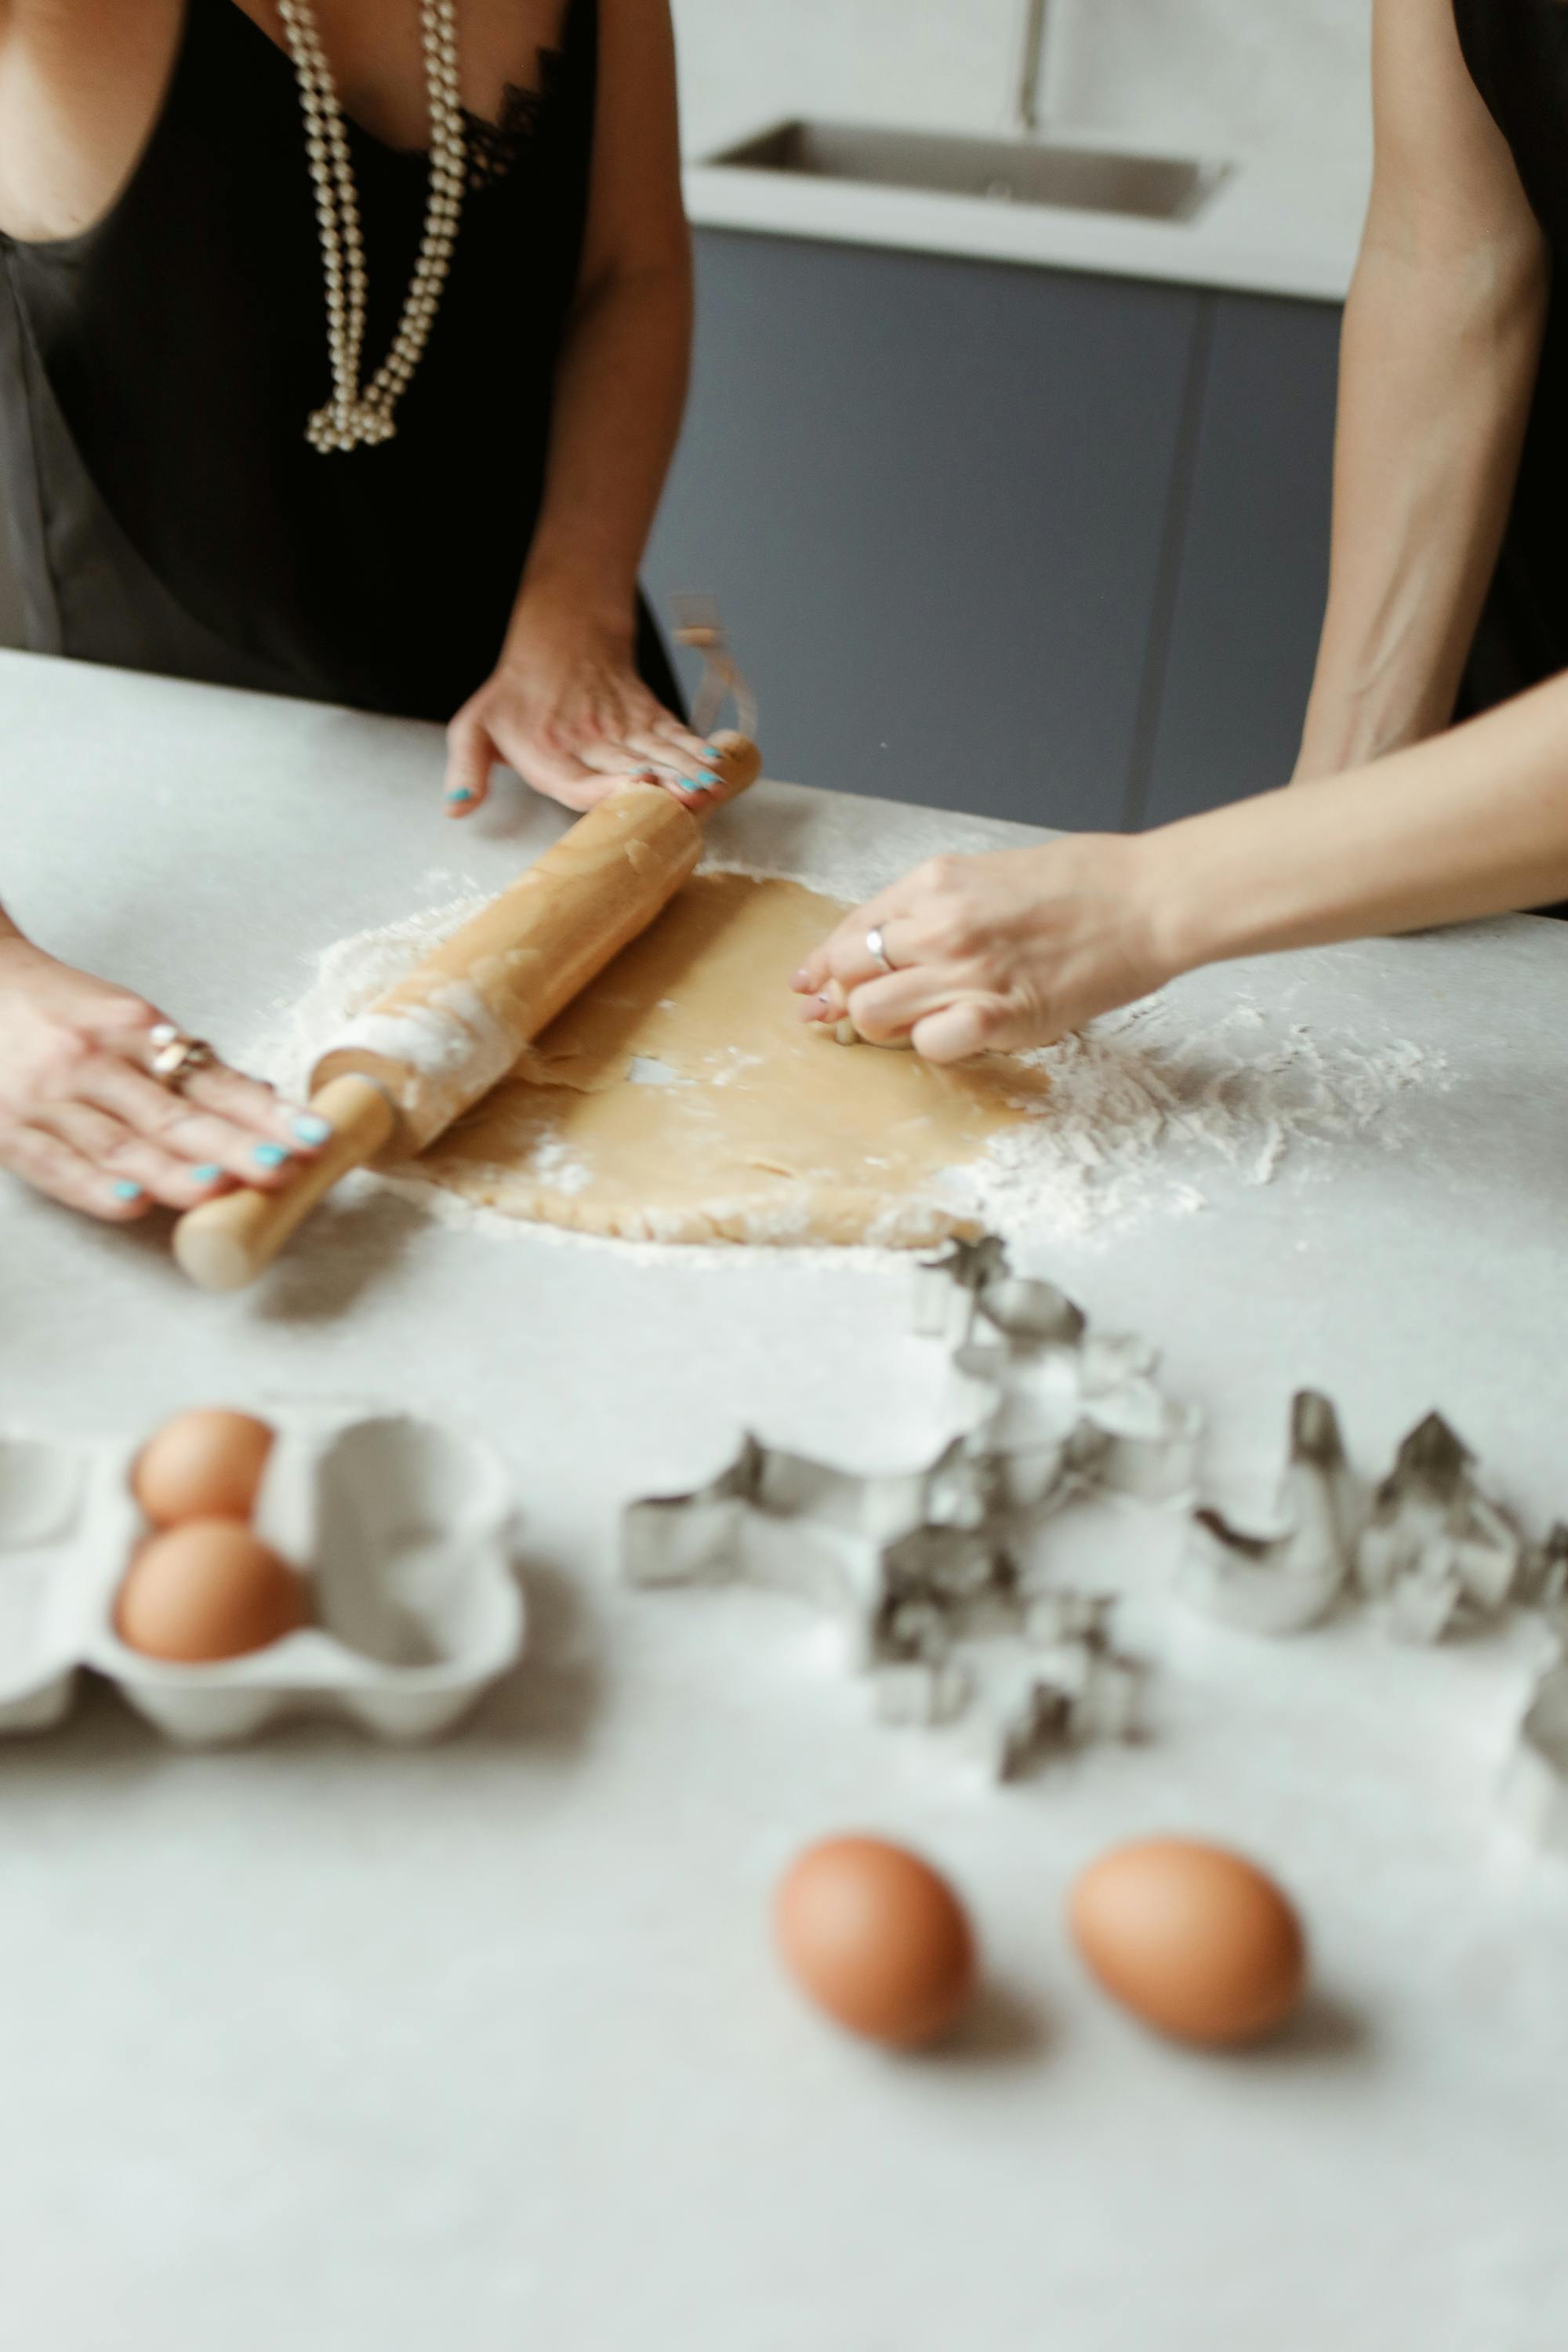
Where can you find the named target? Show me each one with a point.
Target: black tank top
(1518, 53)
(156, 373)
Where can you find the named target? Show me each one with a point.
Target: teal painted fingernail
(711, 752)
(127, 1189)
(710, 783)
(311, 1129)
(460, 793)
(208, 1175)
(270, 1155)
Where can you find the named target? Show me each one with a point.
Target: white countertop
(358, 2050)
(1286, 223)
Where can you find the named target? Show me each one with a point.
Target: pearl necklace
(356, 414)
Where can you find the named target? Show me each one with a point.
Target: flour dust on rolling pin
(440, 1040)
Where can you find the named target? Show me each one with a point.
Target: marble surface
(362, 2051)
(1283, 96)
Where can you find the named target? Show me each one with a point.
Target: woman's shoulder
(82, 83)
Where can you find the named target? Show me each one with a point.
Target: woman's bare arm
(621, 384)
(565, 707)
(1474, 823)
(1441, 343)
(1018, 948)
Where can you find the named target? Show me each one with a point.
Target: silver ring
(176, 1057)
(876, 948)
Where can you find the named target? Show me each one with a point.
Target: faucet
(1032, 67)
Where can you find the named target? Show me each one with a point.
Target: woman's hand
(566, 709)
(995, 953)
(81, 1118)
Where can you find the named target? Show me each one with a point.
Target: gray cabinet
(1035, 544)
(932, 498)
(1027, 542)
(1252, 570)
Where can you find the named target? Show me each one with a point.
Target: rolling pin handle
(740, 762)
(227, 1243)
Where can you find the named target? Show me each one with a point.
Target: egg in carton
(404, 1531)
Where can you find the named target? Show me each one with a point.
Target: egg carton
(404, 1532)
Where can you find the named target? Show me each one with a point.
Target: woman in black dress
(343, 350)
(1448, 599)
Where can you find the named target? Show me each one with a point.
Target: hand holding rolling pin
(109, 1108)
(566, 709)
(440, 1038)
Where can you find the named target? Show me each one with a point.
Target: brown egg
(209, 1590)
(1194, 1939)
(875, 1939)
(202, 1465)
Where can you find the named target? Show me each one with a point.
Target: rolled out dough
(682, 1099)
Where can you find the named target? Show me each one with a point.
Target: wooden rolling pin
(428, 1049)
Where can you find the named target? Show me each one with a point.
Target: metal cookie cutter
(952, 1287)
(1429, 1548)
(1082, 1692)
(698, 623)
(1054, 1407)
(915, 1571)
(1069, 1690)
(864, 1547)
(918, 1566)
(1436, 1547)
(1545, 1581)
(1283, 1582)
(1535, 1781)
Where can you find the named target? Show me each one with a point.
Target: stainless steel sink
(1006, 171)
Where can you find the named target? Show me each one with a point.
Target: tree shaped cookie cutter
(1437, 1549)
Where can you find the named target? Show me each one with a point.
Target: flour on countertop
(1146, 1109)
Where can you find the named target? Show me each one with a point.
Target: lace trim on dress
(495, 150)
